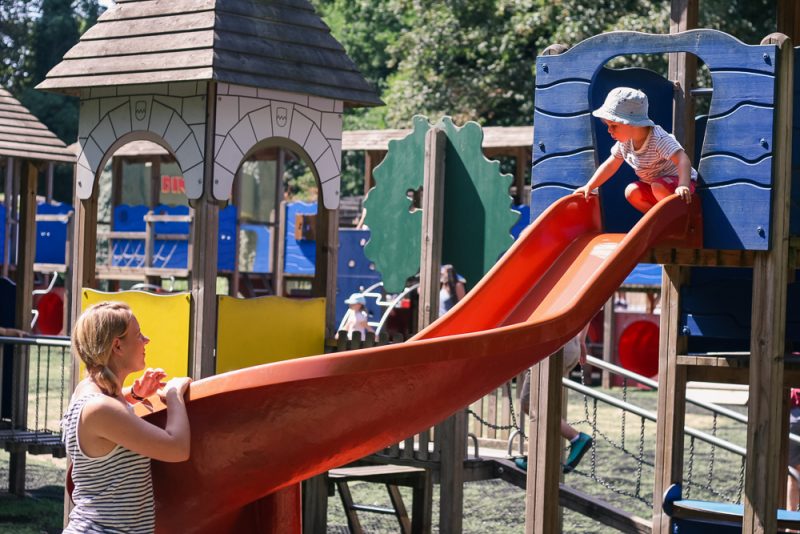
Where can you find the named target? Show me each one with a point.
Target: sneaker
(522, 463)
(576, 451)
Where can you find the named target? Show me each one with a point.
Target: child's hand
(685, 193)
(583, 190)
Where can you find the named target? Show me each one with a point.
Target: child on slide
(659, 161)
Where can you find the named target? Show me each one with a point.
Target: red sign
(172, 184)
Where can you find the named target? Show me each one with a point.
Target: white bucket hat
(356, 298)
(625, 106)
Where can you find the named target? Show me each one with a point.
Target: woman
(110, 447)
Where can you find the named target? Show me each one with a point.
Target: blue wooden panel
(745, 133)
(355, 272)
(644, 274)
(732, 88)
(723, 169)
(300, 256)
(564, 98)
(263, 246)
(718, 50)
(226, 239)
(571, 171)
(553, 136)
(171, 254)
(736, 217)
(542, 197)
(51, 236)
(128, 252)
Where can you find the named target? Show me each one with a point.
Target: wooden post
(315, 504)
(8, 195)
(789, 19)
(280, 247)
(764, 473)
(203, 326)
(522, 165)
(26, 252)
(49, 183)
(432, 223)
(683, 71)
(454, 429)
(324, 284)
(542, 510)
(671, 395)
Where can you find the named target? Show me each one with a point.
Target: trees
(474, 59)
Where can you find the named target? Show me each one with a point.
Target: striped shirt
(651, 161)
(114, 492)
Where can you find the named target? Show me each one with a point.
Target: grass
(492, 505)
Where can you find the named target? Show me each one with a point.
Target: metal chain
(514, 424)
(713, 452)
(691, 467)
(640, 459)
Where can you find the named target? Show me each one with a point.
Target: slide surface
(260, 429)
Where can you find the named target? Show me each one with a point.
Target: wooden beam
(609, 339)
(432, 225)
(671, 395)
(763, 473)
(542, 512)
(683, 71)
(8, 194)
(203, 321)
(324, 283)
(789, 19)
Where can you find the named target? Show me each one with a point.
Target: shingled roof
(23, 136)
(272, 44)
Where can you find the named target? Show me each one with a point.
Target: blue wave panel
(573, 170)
(355, 272)
(732, 88)
(554, 136)
(736, 217)
(725, 169)
(542, 197)
(745, 133)
(717, 308)
(718, 50)
(300, 256)
(565, 98)
(51, 236)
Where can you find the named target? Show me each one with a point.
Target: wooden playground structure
(750, 222)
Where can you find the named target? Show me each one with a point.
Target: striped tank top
(113, 493)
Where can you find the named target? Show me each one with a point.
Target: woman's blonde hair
(93, 338)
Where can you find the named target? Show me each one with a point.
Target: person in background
(357, 319)
(575, 352)
(451, 290)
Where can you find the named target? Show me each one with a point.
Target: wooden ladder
(393, 476)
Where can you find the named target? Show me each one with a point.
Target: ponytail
(93, 339)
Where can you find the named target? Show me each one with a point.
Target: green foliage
(474, 59)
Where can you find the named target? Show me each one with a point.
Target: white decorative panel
(173, 113)
(243, 121)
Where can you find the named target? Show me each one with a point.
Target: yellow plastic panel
(163, 318)
(268, 329)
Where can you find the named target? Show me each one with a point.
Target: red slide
(261, 429)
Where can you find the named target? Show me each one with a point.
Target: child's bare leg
(640, 196)
(660, 191)
(567, 432)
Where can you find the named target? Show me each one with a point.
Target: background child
(357, 317)
(657, 158)
(575, 352)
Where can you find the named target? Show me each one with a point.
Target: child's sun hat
(356, 298)
(625, 106)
